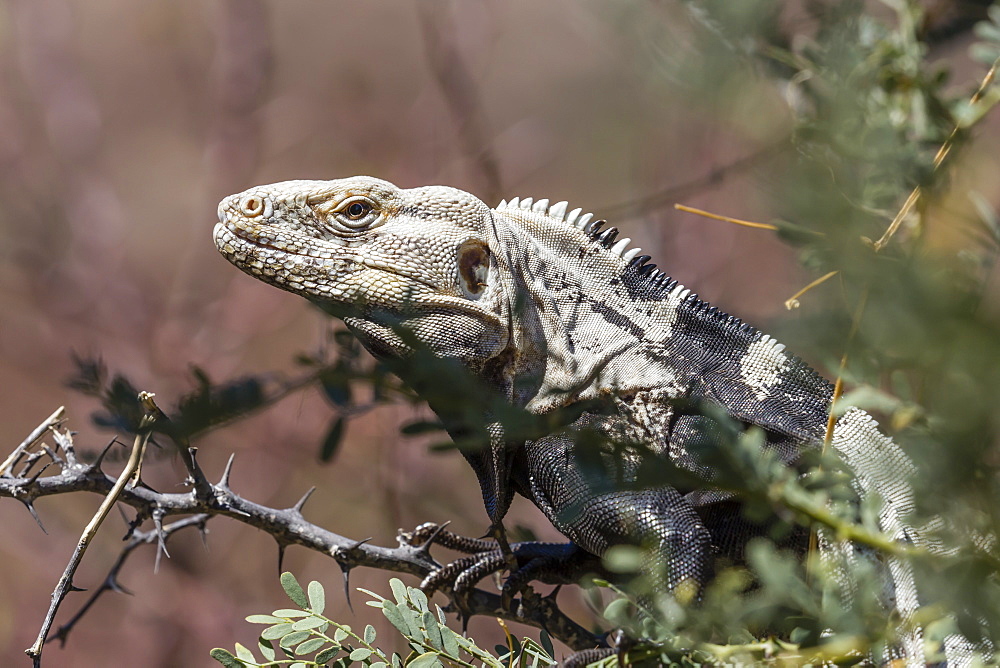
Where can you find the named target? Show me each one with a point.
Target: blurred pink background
(122, 124)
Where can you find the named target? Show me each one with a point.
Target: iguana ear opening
(474, 264)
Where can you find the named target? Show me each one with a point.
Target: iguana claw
(552, 563)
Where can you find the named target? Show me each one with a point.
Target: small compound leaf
(276, 631)
(308, 623)
(327, 654)
(419, 599)
(332, 441)
(310, 646)
(450, 642)
(340, 635)
(317, 597)
(421, 427)
(294, 590)
(244, 654)
(395, 617)
(336, 388)
(290, 613)
(360, 654)
(546, 642)
(266, 648)
(293, 638)
(433, 630)
(369, 634)
(398, 590)
(265, 619)
(226, 658)
(426, 660)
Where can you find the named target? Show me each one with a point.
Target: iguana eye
(357, 210)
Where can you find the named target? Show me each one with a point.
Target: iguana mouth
(228, 234)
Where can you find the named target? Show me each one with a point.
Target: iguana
(552, 310)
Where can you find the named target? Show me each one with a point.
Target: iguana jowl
(551, 310)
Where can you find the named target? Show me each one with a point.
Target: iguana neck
(587, 322)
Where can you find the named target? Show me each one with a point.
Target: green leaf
(266, 648)
(244, 654)
(294, 590)
(317, 597)
(426, 660)
(276, 631)
(398, 590)
(546, 641)
(308, 623)
(395, 617)
(369, 634)
(433, 630)
(332, 441)
(265, 619)
(327, 654)
(450, 642)
(360, 654)
(419, 599)
(290, 613)
(310, 646)
(226, 658)
(293, 638)
(340, 635)
(421, 427)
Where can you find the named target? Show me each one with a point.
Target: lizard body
(551, 310)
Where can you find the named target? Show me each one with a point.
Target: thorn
(33, 479)
(281, 555)
(73, 587)
(224, 481)
(161, 539)
(52, 454)
(96, 464)
(203, 532)
(346, 570)
(301, 502)
(117, 587)
(31, 509)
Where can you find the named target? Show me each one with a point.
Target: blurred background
(122, 125)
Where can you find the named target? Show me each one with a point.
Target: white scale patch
(763, 365)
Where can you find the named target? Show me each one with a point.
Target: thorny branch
(206, 500)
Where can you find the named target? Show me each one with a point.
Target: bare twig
(111, 583)
(49, 422)
(65, 584)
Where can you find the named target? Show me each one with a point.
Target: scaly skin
(550, 311)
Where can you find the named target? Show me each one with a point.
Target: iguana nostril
(252, 206)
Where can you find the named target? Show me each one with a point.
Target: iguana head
(377, 255)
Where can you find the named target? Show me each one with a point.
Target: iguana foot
(551, 563)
